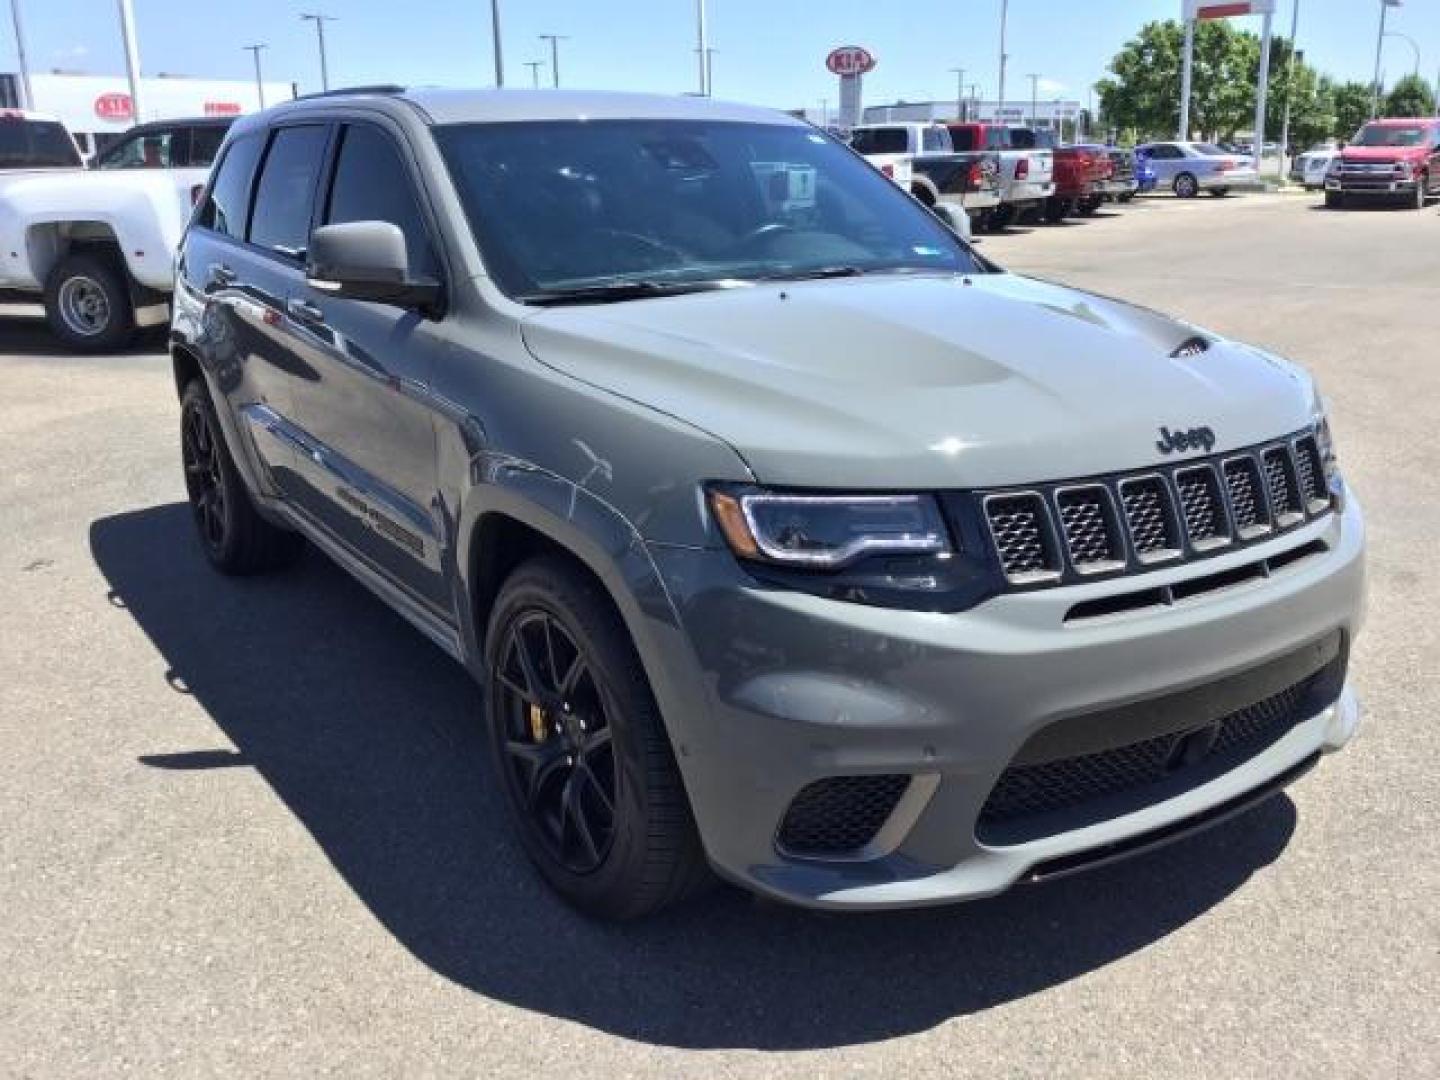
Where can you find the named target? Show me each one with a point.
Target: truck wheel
(1334, 200)
(233, 535)
(1186, 185)
(580, 748)
(1056, 209)
(1422, 182)
(87, 303)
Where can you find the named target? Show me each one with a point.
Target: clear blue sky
(768, 51)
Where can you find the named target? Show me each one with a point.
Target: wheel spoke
(595, 741)
(572, 675)
(540, 761)
(597, 789)
(527, 665)
(572, 812)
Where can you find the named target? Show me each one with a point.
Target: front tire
(581, 750)
(87, 303)
(1186, 186)
(1334, 200)
(233, 535)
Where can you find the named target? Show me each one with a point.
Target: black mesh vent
(1281, 483)
(839, 815)
(1152, 531)
(1021, 533)
(1247, 503)
(1089, 529)
(1310, 471)
(1200, 501)
(1030, 790)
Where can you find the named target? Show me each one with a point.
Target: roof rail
(379, 88)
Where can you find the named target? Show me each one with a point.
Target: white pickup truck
(921, 159)
(97, 246)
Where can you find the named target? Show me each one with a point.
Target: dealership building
(97, 108)
(1045, 114)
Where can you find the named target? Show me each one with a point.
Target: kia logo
(850, 60)
(114, 107)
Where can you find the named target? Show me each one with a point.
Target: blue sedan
(1188, 168)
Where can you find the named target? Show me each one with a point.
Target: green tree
(1411, 96)
(1352, 108)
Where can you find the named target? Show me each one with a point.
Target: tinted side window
(286, 188)
(204, 145)
(372, 184)
(936, 138)
(963, 138)
(224, 210)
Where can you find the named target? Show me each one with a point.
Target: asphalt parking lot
(247, 827)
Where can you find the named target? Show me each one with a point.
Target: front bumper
(1382, 188)
(1117, 187)
(800, 688)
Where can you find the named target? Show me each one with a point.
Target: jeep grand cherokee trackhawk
(785, 534)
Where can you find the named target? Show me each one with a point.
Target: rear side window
(963, 138)
(35, 144)
(880, 141)
(163, 149)
(224, 210)
(285, 192)
(372, 184)
(936, 139)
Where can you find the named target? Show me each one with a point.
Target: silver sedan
(1187, 168)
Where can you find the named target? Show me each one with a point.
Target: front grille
(1026, 792)
(1129, 522)
(840, 815)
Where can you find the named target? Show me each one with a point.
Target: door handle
(305, 311)
(221, 274)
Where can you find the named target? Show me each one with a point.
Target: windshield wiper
(614, 291)
(849, 270)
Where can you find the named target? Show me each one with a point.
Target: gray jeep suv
(785, 535)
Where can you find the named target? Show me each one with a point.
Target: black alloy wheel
(556, 731)
(201, 452)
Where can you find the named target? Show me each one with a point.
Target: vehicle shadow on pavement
(31, 337)
(372, 738)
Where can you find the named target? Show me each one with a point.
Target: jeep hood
(928, 382)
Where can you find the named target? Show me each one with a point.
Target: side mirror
(957, 221)
(366, 260)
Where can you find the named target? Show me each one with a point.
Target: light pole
(1411, 41)
(1385, 5)
(825, 112)
(702, 48)
(1289, 85)
(254, 51)
(132, 57)
(27, 98)
(495, 38)
(320, 21)
(1004, 17)
(1261, 90)
(959, 93)
(554, 40)
(535, 66)
(710, 70)
(1034, 100)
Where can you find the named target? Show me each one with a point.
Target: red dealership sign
(850, 60)
(1225, 9)
(223, 108)
(114, 107)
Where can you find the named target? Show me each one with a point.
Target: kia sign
(114, 106)
(223, 108)
(850, 60)
(1225, 9)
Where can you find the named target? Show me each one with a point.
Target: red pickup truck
(1082, 174)
(1392, 159)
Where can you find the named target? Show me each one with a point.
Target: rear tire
(87, 303)
(1334, 200)
(233, 535)
(1186, 186)
(590, 779)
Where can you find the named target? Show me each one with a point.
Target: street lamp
(1411, 41)
(495, 38)
(1385, 6)
(27, 98)
(320, 21)
(702, 48)
(535, 66)
(254, 50)
(1034, 100)
(554, 40)
(1004, 17)
(132, 57)
(1289, 84)
(959, 93)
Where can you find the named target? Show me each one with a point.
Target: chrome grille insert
(1207, 526)
(1282, 486)
(1248, 506)
(1024, 538)
(1310, 471)
(1150, 515)
(1092, 535)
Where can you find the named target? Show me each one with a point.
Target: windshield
(1387, 135)
(35, 144)
(559, 205)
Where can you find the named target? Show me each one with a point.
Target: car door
(236, 276)
(1166, 158)
(368, 470)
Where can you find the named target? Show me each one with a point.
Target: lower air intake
(840, 815)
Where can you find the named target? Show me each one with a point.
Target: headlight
(1326, 444)
(827, 532)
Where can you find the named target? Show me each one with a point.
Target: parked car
(890, 147)
(968, 182)
(97, 247)
(782, 531)
(1121, 184)
(1027, 168)
(1309, 168)
(1388, 159)
(1081, 176)
(1188, 168)
(31, 141)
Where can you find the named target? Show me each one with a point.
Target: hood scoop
(1192, 346)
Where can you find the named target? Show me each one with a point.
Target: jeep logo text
(1177, 442)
